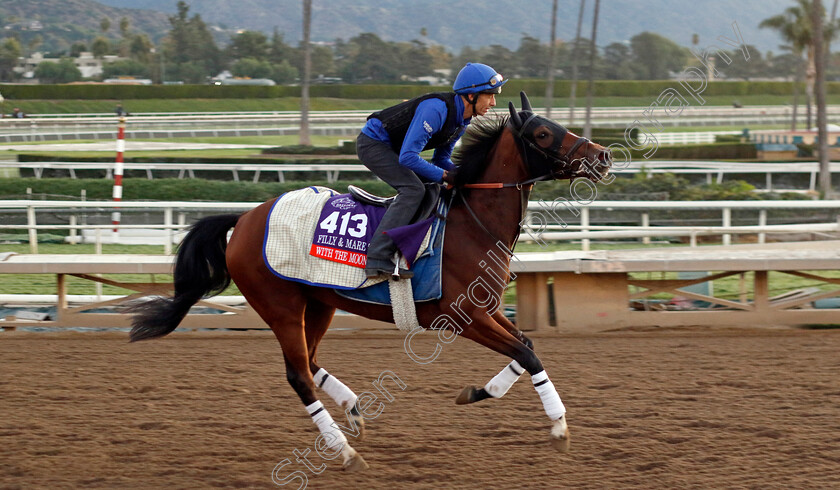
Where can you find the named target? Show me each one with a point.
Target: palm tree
(794, 26)
(549, 87)
(590, 86)
(801, 26)
(818, 20)
(575, 52)
(304, 81)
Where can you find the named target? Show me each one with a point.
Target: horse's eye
(542, 135)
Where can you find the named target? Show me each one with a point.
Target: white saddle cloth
(288, 239)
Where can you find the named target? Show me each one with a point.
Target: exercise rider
(391, 142)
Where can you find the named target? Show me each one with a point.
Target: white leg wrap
(333, 436)
(337, 390)
(551, 400)
(501, 383)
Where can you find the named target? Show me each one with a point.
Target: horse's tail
(200, 270)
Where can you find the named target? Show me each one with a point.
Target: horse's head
(552, 151)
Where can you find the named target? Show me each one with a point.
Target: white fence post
(762, 221)
(33, 232)
(584, 224)
(646, 224)
(167, 222)
(73, 231)
(727, 223)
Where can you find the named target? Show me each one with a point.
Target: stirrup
(398, 273)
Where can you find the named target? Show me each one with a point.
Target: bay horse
(498, 164)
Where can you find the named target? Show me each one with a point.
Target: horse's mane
(471, 157)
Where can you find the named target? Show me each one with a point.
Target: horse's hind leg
(286, 321)
(316, 321)
(502, 382)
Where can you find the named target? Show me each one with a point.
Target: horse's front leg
(502, 382)
(487, 332)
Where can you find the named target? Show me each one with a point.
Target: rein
(525, 185)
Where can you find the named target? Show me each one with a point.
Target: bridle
(564, 160)
(524, 187)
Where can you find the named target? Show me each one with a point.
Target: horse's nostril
(605, 156)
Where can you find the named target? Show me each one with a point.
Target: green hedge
(617, 88)
(706, 151)
(175, 189)
(34, 157)
(630, 186)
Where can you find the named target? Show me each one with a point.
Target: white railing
(544, 218)
(41, 127)
(713, 170)
(542, 223)
(692, 137)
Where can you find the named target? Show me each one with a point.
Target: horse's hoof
(356, 463)
(466, 396)
(561, 439)
(562, 444)
(356, 419)
(361, 427)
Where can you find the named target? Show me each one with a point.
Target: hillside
(63, 22)
(481, 23)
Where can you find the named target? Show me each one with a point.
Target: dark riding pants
(385, 164)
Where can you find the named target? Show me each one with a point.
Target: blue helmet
(477, 78)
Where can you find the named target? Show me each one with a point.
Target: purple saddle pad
(346, 227)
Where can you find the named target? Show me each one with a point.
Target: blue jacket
(429, 118)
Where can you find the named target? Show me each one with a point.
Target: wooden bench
(593, 290)
(89, 267)
(589, 290)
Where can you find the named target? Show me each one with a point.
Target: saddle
(319, 237)
(427, 206)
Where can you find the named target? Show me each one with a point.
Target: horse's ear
(526, 104)
(514, 116)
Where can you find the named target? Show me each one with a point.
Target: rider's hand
(449, 176)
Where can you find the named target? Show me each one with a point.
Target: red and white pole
(118, 173)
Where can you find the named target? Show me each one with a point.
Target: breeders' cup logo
(344, 203)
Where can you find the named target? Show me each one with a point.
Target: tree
(575, 54)
(655, 57)
(62, 72)
(415, 59)
(125, 68)
(590, 86)
(284, 72)
(278, 50)
(33, 43)
(100, 47)
(818, 20)
(190, 47)
(367, 57)
(140, 48)
(552, 43)
(125, 42)
(125, 25)
(77, 49)
(323, 60)
(249, 44)
(252, 68)
(618, 61)
(10, 51)
(794, 26)
(307, 67)
(532, 57)
(105, 24)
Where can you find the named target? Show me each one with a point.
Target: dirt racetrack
(701, 408)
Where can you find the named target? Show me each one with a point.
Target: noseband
(528, 184)
(563, 160)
